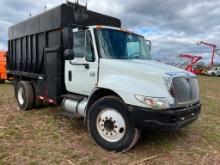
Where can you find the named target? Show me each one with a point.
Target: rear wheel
(110, 126)
(25, 95)
(2, 81)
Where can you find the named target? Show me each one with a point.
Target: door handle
(85, 64)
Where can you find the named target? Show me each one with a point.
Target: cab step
(73, 96)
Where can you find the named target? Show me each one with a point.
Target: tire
(2, 81)
(25, 95)
(109, 115)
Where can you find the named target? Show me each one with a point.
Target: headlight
(153, 102)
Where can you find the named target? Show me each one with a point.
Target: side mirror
(67, 38)
(68, 54)
(148, 43)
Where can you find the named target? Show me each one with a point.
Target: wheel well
(99, 93)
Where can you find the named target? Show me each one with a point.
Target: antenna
(45, 8)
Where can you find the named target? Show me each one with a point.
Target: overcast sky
(174, 26)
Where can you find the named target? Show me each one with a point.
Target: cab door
(81, 74)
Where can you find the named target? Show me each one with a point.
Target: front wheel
(110, 126)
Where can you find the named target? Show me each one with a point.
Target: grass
(45, 137)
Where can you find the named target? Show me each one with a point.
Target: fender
(127, 86)
(96, 94)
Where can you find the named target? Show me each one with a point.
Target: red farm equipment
(193, 60)
(213, 50)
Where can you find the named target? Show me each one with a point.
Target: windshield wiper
(123, 58)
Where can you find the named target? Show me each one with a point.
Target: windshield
(115, 44)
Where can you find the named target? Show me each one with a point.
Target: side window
(133, 48)
(78, 43)
(89, 51)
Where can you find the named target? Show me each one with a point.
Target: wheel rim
(111, 125)
(21, 96)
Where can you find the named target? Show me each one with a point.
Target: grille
(185, 90)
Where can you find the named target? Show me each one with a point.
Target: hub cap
(111, 125)
(21, 96)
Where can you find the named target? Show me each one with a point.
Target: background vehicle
(214, 71)
(3, 72)
(214, 51)
(98, 70)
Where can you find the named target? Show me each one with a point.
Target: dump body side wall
(30, 60)
(26, 54)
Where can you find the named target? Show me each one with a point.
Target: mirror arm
(149, 41)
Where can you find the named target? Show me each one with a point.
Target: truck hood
(128, 78)
(145, 67)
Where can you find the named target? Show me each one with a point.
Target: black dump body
(36, 46)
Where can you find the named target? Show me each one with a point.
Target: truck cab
(114, 70)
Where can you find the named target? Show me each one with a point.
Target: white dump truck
(87, 63)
